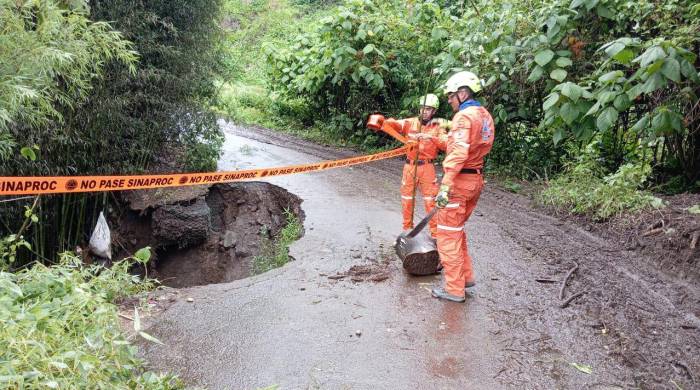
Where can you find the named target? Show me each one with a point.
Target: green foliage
(51, 54)
(584, 189)
(60, 329)
(165, 103)
(558, 73)
(74, 100)
(364, 56)
(8, 250)
(249, 24)
(512, 186)
(274, 253)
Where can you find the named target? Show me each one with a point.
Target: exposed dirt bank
(207, 234)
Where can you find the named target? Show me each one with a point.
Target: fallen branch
(540, 280)
(694, 240)
(652, 232)
(566, 280)
(125, 316)
(571, 298)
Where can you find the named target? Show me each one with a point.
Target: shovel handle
(422, 223)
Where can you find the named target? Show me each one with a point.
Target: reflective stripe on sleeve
(450, 228)
(463, 144)
(452, 205)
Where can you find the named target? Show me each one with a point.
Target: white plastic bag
(101, 239)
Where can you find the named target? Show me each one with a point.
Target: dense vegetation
(102, 87)
(60, 329)
(612, 83)
(90, 87)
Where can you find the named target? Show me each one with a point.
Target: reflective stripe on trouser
(451, 235)
(427, 183)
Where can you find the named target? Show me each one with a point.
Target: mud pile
(206, 234)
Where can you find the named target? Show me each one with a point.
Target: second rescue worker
(468, 142)
(430, 134)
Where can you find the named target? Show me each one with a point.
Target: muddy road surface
(312, 324)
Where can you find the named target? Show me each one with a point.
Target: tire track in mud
(633, 326)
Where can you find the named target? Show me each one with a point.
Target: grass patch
(585, 190)
(59, 329)
(275, 251)
(512, 186)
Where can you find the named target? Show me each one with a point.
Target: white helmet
(429, 100)
(462, 79)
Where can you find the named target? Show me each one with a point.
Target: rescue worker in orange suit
(429, 135)
(469, 140)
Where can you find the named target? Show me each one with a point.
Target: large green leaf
(606, 96)
(624, 56)
(641, 124)
(558, 135)
(654, 82)
(568, 113)
(635, 91)
(551, 101)
(572, 91)
(143, 254)
(615, 47)
(558, 74)
(672, 69)
(655, 67)
(563, 62)
(590, 4)
(584, 130)
(28, 153)
(650, 55)
(610, 76)
(605, 12)
(593, 109)
(536, 74)
(606, 119)
(622, 102)
(544, 57)
(661, 123)
(689, 71)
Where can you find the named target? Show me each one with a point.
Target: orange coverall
(469, 140)
(427, 150)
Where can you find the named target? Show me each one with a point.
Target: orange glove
(375, 122)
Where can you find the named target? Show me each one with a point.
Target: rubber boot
(440, 293)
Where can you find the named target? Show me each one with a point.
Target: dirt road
(297, 328)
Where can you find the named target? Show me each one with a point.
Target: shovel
(418, 251)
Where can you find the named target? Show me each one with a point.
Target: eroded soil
(204, 234)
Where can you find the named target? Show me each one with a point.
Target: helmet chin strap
(460, 100)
